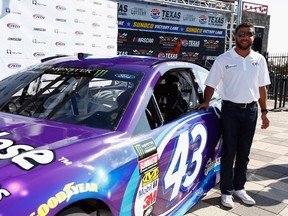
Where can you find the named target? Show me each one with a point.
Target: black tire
(76, 211)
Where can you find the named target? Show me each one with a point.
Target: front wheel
(76, 211)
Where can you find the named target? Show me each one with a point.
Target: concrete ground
(267, 175)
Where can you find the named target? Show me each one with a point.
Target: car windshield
(84, 96)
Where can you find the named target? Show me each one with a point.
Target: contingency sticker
(145, 148)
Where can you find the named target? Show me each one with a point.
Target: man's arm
(208, 93)
(263, 106)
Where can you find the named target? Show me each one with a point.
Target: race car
(83, 135)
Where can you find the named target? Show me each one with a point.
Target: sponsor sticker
(150, 176)
(69, 190)
(147, 163)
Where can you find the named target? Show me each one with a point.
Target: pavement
(267, 174)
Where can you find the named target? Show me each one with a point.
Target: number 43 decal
(176, 175)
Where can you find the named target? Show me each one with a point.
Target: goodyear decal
(68, 191)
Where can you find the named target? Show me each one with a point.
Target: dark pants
(238, 128)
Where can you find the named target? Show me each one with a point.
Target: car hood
(19, 134)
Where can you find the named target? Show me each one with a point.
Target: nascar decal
(25, 156)
(145, 148)
(68, 191)
(4, 193)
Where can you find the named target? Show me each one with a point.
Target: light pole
(239, 12)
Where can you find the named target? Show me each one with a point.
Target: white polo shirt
(238, 79)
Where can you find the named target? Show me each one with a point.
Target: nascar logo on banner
(35, 29)
(170, 32)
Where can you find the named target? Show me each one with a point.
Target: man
(241, 76)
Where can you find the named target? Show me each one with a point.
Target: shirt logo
(230, 66)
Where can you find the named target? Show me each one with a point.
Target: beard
(248, 46)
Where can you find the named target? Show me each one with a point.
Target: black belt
(241, 105)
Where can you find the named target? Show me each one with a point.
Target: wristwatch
(264, 111)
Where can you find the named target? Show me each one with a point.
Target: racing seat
(169, 98)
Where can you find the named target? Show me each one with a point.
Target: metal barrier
(278, 90)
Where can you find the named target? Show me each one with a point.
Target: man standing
(241, 76)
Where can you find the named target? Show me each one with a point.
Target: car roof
(134, 63)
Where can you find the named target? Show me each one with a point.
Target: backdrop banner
(170, 32)
(33, 30)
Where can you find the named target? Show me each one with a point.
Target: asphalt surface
(267, 174)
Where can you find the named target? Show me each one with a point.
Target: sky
(277, 39)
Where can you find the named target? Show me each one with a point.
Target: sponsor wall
(35, 29)
(170, 32)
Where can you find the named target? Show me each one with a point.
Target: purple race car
(106, 136)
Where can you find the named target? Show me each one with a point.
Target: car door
(188, 147)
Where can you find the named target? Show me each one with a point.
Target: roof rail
(52, 57)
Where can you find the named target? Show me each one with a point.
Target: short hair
(245, 24)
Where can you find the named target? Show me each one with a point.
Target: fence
(278, 90)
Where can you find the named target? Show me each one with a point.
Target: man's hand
(265, 121)
(202, 106)
(208, 93)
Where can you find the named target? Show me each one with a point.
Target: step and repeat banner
(170, 32)
(35, 29)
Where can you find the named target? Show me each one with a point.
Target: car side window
(174, 96)
(201, 74)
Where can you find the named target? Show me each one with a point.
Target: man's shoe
(245, 198)
(227, 200)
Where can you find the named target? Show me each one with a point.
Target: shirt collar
(234, 54)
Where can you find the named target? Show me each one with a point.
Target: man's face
(244, 38)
